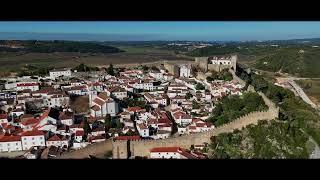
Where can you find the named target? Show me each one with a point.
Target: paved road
(300, 92)
(316, 152)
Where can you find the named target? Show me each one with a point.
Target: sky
(160, 30)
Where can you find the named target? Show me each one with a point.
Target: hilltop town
(43, 116)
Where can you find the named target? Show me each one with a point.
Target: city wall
(142, 147)
(97, 149)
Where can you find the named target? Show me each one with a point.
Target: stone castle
(217, 63)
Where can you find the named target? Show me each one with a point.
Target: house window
(16, 144)
(33, 143)
(40, 137)
(8, 144)
(32, 138)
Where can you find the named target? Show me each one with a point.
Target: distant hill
(242, 49)
(279, 55)
(55, 46)
(301, 61)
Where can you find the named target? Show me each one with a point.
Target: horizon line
(101, 34)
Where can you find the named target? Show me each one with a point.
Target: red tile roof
(95, 108)
(103, 95)
(133, 109)
(3, 116)
(54, 138)
(9, 138)
(27, 84)
(33, 133)
(79, 133)
(142, 126)
(98, 101)
(97, 137)
(128, 138)
(165, 149)
(30, 121)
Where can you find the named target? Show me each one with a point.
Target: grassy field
(143, 50)
(13, 61)
(311, 88)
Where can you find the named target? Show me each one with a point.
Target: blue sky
(187, 30)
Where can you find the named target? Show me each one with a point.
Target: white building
(185, 71)
(55, 140)
(57, 73)
(23, 86)
(103, 105)
(32, 138)
(143, 130)
(157, 75)
(65, 119)
(17, 113)
(117, 92)
(170, 153)
(10, 143)
(58, 100)
(182, 118)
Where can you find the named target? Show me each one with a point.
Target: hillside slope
(304, 61)
(55, 46)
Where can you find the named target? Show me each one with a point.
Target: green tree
(188, 95)
(195, 105)
(200, 86)
(110, 70)
(107, 122)
(86, 128)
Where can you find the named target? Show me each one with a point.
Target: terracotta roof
(76, 126)
(29, 121)
(164, 120)
(79, 133)
(112, 89)
(128, 138)
(165, 149)
(103, 95)
(98, 101)
(3, 116)
(9, 138)
(95, 108)
(133, 109)
(54, 138)
(201, 124)
(44, 90)
(182, 114)
(142, 126)
(33, 133)
(164, 125)
(27, 84)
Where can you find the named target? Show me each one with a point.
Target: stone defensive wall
(142, 147)
(97, 149)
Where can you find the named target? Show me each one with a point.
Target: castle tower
(234, 59)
